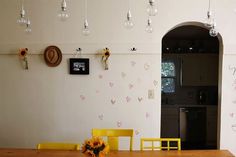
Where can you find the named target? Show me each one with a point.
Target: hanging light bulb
(28, 26)
(213, 31)
(128, 22)
(22, 19)
(63, 14)
(149, 28)
(151, 8)
(86, 30)
(209, 19)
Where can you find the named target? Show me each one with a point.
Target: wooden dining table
(61, 153)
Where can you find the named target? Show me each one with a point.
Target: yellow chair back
(160, 144)
(113, 136)
(59, 146)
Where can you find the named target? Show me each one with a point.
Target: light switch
(151, 94)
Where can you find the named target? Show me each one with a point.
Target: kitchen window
(168, 76)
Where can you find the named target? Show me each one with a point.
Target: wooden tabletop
(53, 153)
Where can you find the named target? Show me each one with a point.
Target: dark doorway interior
(190, 61)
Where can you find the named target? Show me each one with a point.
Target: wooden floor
(53, 153)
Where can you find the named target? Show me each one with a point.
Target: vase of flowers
(95, 147)
(23, 56)
(105, 55)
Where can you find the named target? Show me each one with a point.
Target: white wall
(44, 103)
(228, 110)
(48, 104)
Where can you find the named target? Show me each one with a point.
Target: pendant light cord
(129, 5)
(209, 5)
(86, 8)
(22, 4)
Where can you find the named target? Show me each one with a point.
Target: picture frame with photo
(79, 66)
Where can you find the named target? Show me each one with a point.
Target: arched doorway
(191, 81)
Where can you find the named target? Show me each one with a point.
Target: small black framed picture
(79, 66)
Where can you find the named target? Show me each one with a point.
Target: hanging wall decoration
(79, 66)
(23, 57)
(105, 55)
(52, 56)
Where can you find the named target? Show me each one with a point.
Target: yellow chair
(113, 136)
(160, 144)
(59, 146)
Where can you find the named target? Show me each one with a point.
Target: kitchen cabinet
(192, 127)
(199, 70)
(211, 138)
(169, 122)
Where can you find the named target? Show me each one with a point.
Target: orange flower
(23, 52)
(95, 147)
